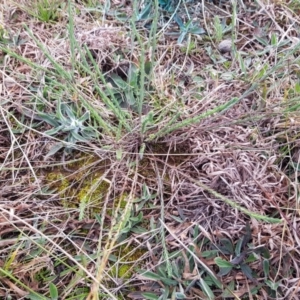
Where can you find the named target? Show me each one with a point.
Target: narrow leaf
(226, 246)
(238, 247)
(48, 119)
(266, 267)
(224, 271)
(263, 251)
(168, 281)
(78, 137)
(84, 117)
(150, 275)
(248, 236)
(119, 154)
(144, 14)
(53, 291)
(118, 81)
(53, 131)
(69, 111)
(206, 289)
(222, 263)
(150, 296)
(247, 271)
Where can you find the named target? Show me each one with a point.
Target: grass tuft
(149, 149)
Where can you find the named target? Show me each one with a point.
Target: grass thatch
(149, 150)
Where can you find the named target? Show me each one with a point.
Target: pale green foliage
(47, 10)
(66, 122)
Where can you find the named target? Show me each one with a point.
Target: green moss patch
(83, 188)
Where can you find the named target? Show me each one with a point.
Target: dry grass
(141, 209)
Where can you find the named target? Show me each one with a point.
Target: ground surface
(149, 150)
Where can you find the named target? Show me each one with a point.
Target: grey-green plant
(146, 198)
(70, 124)
(187, 28)
(125, 90)
(132, 222)
(186, 273)
(31, 293)
(241, 254)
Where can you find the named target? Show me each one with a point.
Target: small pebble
(225, 46)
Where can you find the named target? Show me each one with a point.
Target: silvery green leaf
(78, 137)
(178, 20)
(71, 139)
(228, 76)
(69, 111)
(48, 119)
(119, 81)
(89, 134)
(145, 12)
(53, 130)
(68, 128)
(59, 112)
(181, 37)
(206, 289)
(262, 40)
(130, 99)
(84, 117)
(168, 281)
(133, 74)
(180, 295)
(197, 30)
(150, 275)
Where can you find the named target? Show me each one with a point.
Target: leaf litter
(248, 154)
